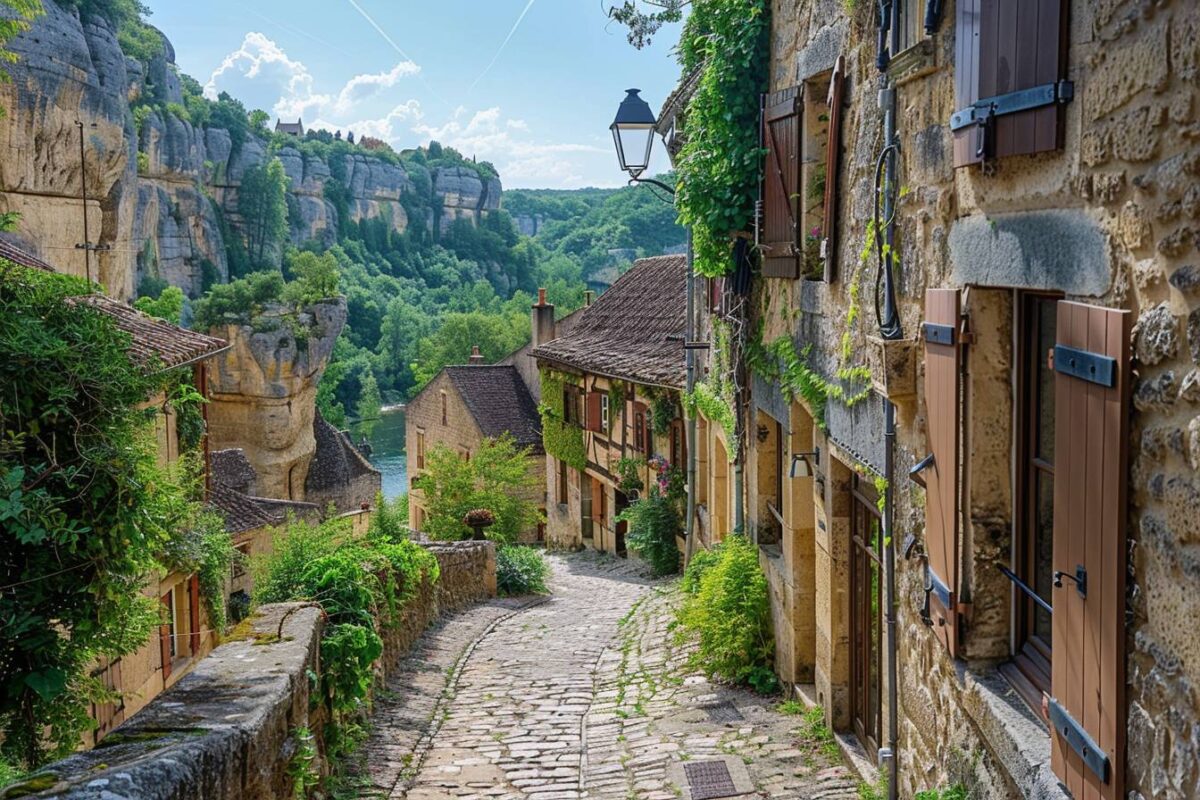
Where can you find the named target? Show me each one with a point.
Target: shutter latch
(982, 110)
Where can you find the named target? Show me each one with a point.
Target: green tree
(168, 305)
(496, 335)
(498, 477)
(86, 513)
(262, 201)
(369, 403)
(315, 277)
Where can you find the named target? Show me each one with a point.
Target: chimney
(588, 294)
(476, 356)
(542, 320)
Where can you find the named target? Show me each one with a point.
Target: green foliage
(663, 413)
(730, 614)
(561, 439)
(955, 792)
(727, 40)
(303, 768)
(629, 475)
(314, 277)
(715, 409)
(520, 570)
(9, 219)
(72, 561)
(498, 476)
(644, 19)
(206, 550)
(390, 518)
(700, 563)
(167, 305)
(263, 205)
(654, 522)
(779, 363)
(238, 302)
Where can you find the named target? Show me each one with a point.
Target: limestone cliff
(163, 193)
(263, 393)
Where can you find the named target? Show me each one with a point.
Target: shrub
(653, 525)
(955, 792)
(521, 570)
(701, 562)
(730, 614)
(390, 520)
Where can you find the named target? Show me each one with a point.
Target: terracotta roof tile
(15, 254)
(240, 511)
(155, 340)
(634, 330)
(499, 402)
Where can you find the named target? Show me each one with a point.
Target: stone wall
(1110, 219)
(227, 729)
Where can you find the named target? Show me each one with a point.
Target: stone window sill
(1016, 738)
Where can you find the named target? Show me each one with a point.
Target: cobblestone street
(581, 695)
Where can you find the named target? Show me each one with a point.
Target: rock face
(263, 394)
(149, 186)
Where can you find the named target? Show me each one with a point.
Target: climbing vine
(561, 439)
(727, 41)
(716, 396)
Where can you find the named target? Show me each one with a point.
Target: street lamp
(633, 134)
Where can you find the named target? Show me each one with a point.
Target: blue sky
(540, 113)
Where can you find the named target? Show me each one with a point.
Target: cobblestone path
(580, 695)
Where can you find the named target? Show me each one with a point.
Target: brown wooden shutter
(833, 160)
(1087, 682)
(943, 392)
(592, 420)
(194, 612)
(164, 638)
(783, 247)
(1010, 78)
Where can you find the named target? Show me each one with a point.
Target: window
(641, 430)
(561, 485)
(866, 560)
(604, 412)
(168, 630)
(445, 407)
(1033, 550)
(568, 404)
(908, 25)
(678, 443)
(782, 185)
(420, 449)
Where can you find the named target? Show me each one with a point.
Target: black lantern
(633, 133)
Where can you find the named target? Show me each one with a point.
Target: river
(387, 451)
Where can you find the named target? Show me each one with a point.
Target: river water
(387, 451)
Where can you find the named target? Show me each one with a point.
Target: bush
(390, 520)
(653, 525)
(521, 570)
(730, 613)
(701, 562)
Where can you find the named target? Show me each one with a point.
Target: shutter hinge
(1080, 741)
(985, 109)
(1092, 367)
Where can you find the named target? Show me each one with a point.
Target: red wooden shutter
(1010, 78)
(1087, 681)
(833, 160)
(164, 638)
(781, 238)
(592, 421)
(943, 357)
(194, 612)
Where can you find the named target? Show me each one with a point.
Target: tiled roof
(240, 511)
(336, 461)
(15, 254)
(634, 330)
(499, 402)
(155, 341)
(231, 468)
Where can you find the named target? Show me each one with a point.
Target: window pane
(1047, 317)
(1043, 551)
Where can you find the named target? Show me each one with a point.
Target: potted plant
(477, 519)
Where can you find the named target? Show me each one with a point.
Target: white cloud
(262, 75)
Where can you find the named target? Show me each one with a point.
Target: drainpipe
(889, 329)
(689, 336)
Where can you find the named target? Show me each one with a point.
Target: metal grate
(709, 779)
(723, 713)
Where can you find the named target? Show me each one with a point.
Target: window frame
(445, 408)
(604, 412)
(561, 495)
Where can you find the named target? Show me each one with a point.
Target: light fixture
(633, 133)
(802, 467)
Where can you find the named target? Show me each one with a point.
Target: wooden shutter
(833, 160)
(783, 247)
(1010, 78)
(194, 612)
(164, 638)
(943, 392)
(592, 417)
(1091, 417)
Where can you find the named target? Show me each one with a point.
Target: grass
(790, 707)
(816, 734)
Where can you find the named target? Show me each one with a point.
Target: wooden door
(866, 632)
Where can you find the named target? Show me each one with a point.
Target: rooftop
(634, 330)
(17, 255)
(155, 341)
(499, 402)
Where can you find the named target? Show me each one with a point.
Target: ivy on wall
(716, 396)
(715, 409)
(727, 40)
(562, 439)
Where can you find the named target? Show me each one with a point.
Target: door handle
(1080, 578)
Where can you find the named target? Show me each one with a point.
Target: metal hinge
(939, 334)
(979, 112)
(1092, 367)
(1079, 740)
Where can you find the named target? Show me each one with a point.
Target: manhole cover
(709, 779)
(723, 712)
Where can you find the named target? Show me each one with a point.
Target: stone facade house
(602, 385)
(462, 407)
(1022, 408)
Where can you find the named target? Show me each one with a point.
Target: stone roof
(241, 512)
(156, 342)
(15, 254)
(231, 468)
(336, 461)
(634, 331)
(499, 402)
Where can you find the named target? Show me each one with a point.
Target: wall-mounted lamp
(802, 467)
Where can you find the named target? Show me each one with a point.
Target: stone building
(1043, 366)
(610, 396)
(462, 407)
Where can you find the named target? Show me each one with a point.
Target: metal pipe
(87, 240)
(689, 336)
